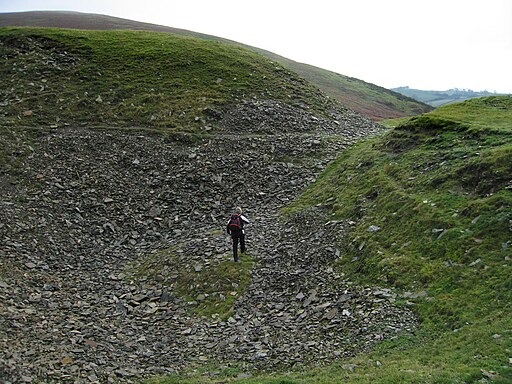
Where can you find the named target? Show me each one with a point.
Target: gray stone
(155, 211)
(109, 203)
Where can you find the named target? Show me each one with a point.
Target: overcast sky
(425, 44)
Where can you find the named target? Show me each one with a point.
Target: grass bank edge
(475, 280)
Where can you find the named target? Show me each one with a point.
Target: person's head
(238, 210)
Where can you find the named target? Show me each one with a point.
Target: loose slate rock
(108, 201)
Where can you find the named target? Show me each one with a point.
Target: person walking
(235, 228)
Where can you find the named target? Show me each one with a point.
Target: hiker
(235, 228)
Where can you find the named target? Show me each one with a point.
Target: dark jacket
(241, 232)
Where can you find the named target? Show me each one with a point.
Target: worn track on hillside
(88, 202)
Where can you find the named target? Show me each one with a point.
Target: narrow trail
(89, 202)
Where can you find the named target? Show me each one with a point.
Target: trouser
(236, 238)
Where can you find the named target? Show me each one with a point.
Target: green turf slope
(430, 203)
(56, 77)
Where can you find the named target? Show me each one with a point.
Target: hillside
(440, 98)
(136, 78)
(122, 152)
(370, 100)
(379, 261)
(429, 208)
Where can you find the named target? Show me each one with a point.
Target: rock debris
(88, 203)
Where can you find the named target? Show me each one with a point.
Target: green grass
(393, 123)
(439, 187)
(209, 291)
(55, 77)
(494, 112)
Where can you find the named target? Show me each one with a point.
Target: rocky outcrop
(89, 202)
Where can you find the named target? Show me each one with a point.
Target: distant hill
(368, 99)
(439, 98)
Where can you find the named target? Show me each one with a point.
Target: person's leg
(235, 248)
(242, 243)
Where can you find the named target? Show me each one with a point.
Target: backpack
(235, 222)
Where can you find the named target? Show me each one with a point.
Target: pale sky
(425, 44)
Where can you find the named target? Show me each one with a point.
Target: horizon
(387, 47)
(452, 89)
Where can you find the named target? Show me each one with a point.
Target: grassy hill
(53, 77)
(430, 204)
(368, 99)
(439, 98)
